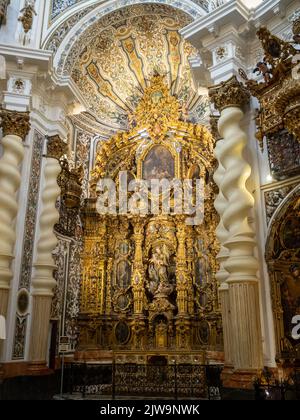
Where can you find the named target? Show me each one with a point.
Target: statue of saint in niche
(161, 335)
(158, 268)
(123, 274)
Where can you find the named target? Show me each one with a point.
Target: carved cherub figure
(263, 69)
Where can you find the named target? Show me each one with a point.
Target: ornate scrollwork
(229, 94)
(15, 123)
(28, 12)
(56, 147)
(279, 92)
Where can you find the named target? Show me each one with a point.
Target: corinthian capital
(15, 123)
(56, 147)
(228, 94)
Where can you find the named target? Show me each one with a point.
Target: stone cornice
(35, 56)
(15, 123)
(227, 94)
(233, 12)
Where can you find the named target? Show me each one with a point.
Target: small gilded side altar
(148, 281)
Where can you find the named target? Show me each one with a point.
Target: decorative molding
(20, 337)
(56, 147)
(229, 94)
(31, 212)
(56, 38)
(60, 6)
(15, 123)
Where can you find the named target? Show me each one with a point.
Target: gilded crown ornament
(158, 115)
(156, 109)
(15, 123)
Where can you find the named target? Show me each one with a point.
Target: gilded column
(222, 235)
(182, 287)
(242, 266)
(138, 271)
(43, 281)
(190, 258)
(181, 268)
(15, 126)
(138, 326)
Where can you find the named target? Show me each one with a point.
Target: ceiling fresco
(114, 59)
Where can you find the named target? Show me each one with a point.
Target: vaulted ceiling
(114, 59)
(58, 7)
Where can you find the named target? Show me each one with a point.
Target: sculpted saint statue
(158, 268)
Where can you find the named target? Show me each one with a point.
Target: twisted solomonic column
(43, 281)
(241, 264)
(15, 126)
(222, 236)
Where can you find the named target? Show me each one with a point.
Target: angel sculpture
(263, 69)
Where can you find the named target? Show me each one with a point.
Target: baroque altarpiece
(148, 281)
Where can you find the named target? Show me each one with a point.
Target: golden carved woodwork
(15, 123)
(296, 30)
(156, 109)
(70, 183)
(279, 92)
(229, 94)
(56, 147)
(283, 259)
(214, 127)
(151, 274)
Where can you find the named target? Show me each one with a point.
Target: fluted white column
(43, 281)
(15, 127)
(241, 264)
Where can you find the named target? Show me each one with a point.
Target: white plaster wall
(12, 32)
(8, 31)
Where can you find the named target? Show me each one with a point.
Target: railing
(267, 387)
(170, 381)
